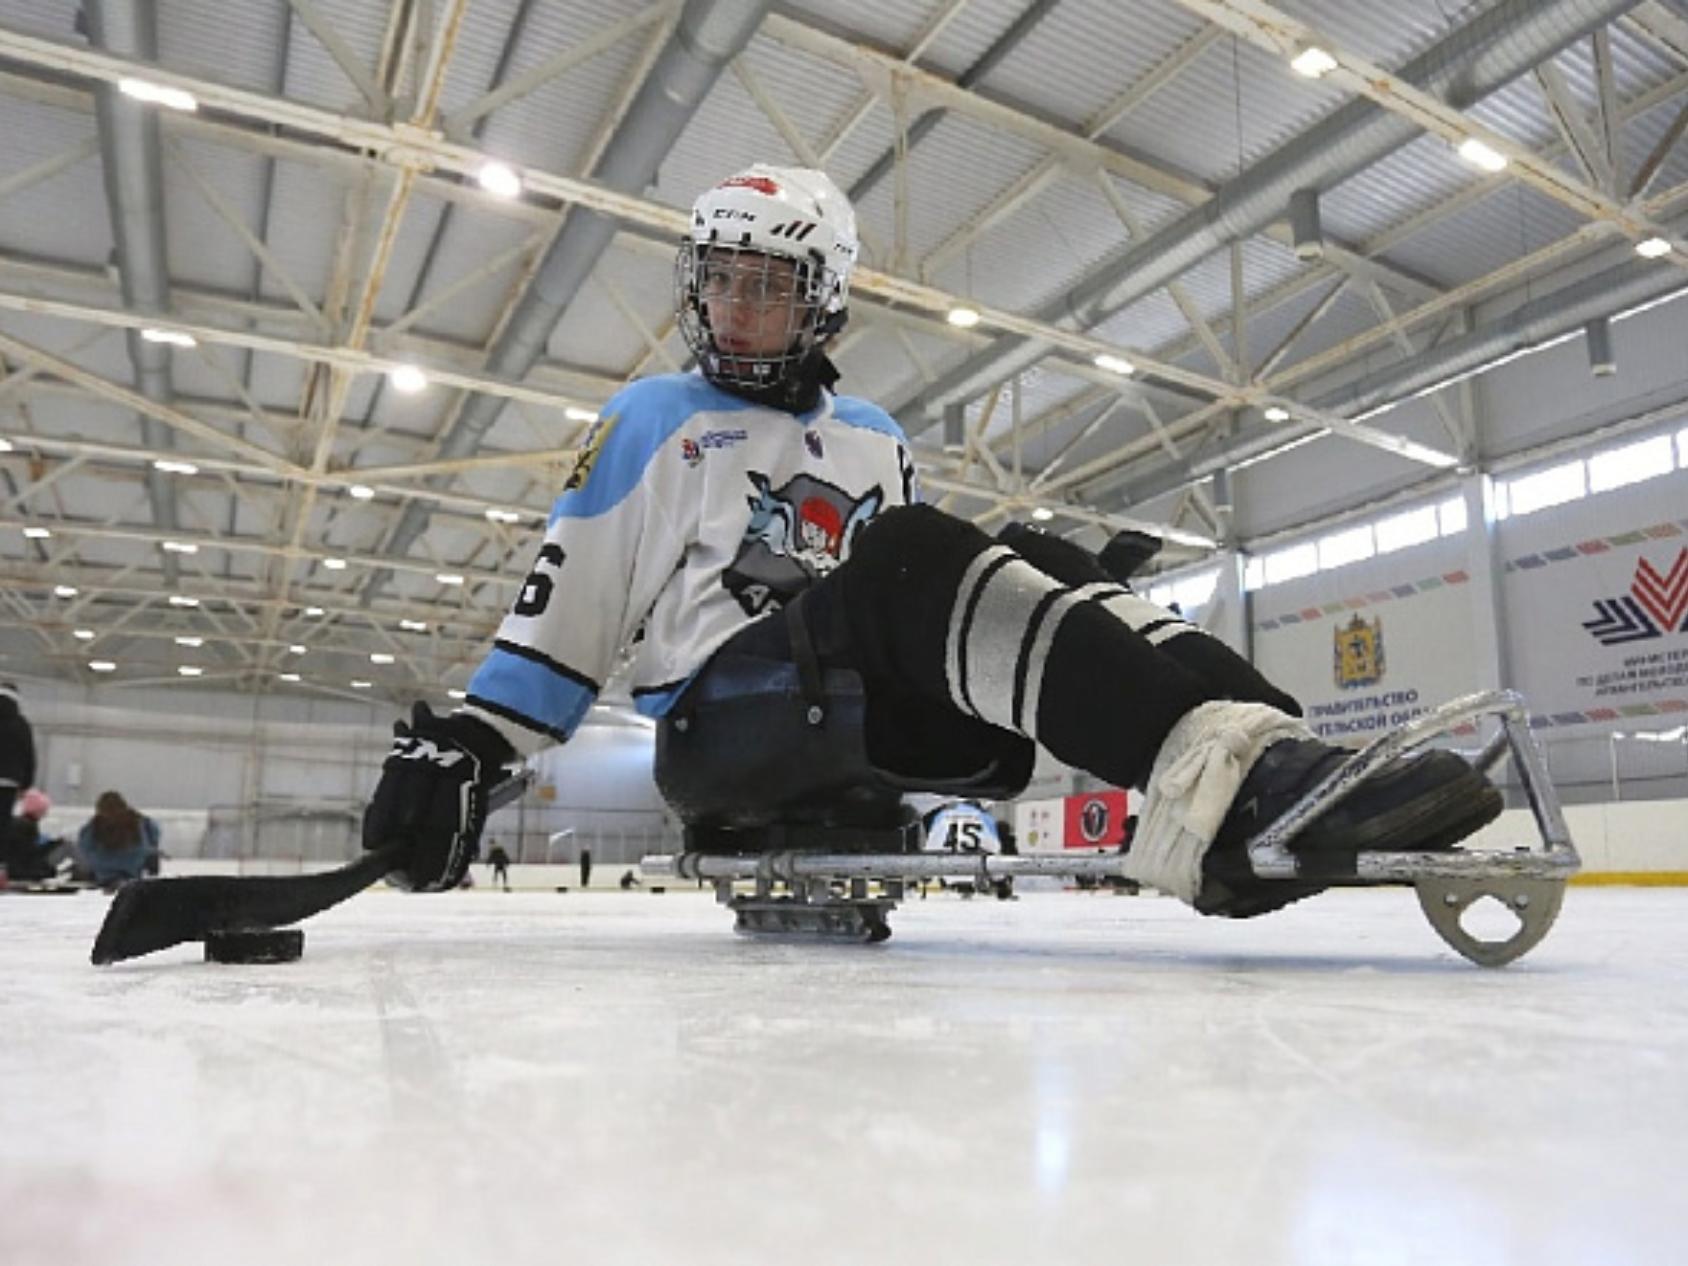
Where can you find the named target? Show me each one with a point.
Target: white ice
(616, 1078)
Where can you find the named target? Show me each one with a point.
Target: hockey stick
(148, 915)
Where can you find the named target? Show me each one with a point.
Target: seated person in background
(117, 843)
(23, 851)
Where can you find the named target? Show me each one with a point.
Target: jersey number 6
(536, 589)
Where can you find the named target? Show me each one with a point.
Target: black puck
(281, 945)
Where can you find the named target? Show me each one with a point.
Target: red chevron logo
(1665, 598)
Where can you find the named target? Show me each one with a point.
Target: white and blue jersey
(689, 513)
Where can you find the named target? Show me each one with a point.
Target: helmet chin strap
(794, 392)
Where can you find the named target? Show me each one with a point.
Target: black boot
(1426, 801)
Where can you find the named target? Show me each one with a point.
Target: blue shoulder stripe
(854, 411)
(632, 428)
(531, 691)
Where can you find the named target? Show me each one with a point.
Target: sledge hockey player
(706, 508)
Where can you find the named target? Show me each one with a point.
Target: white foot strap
(1196, 774)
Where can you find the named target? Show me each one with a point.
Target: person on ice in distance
(703, 503)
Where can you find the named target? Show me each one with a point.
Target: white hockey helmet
(763, 212)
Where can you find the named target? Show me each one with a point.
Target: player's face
(754, 302)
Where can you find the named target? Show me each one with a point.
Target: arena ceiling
(1181, 250)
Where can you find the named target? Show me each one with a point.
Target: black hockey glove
(432, 796)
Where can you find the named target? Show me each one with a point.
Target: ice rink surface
(617, 1078)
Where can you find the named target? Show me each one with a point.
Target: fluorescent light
(503, 516)
(288, 676)
(182, 600)
(413, 626)
(361, 492)
(37, 533)
(1481, 156)
(380, 657)
(1276, 413)
(179, 547)
(157, 94)
(407, 380)
(6, 446)
(83, 635)
(313, 611)
(1043, 514)
(962, 317)
(458, 694)
(1114, 364)
(1652, 248)
(190, 670)
(297, 649)
(175, 338)
(175, 468)
(64, 591)
(334, 564)
(190, 641)
(1312, 62)
(576, 414)
(499, 179)
(448, 578)
(102, 666)
(360, 685)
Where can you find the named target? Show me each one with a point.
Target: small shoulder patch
(590, 448)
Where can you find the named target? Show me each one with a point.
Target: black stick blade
(148, 915)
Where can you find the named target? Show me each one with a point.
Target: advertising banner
(1368, 662)
(1599, 627)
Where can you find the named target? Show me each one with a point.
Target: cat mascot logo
(797, 533)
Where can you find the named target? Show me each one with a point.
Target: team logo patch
(690, 453)
(812, 442)
(1357, 657)
(797, 533)
(1656, 604)
(590, 448)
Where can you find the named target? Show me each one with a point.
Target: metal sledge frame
(1529, 883)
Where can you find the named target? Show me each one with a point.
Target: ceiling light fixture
(37, 533)
(170, 467)
(1114, 364)
(157, 94)
(500, 179)
(962, 317)
(1652, 248)
(1312, 62)
(361, 492)
(448, 578)
(175, 338)
(407, 380)
(1481, 156)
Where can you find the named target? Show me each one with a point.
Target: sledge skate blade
(794, 917)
